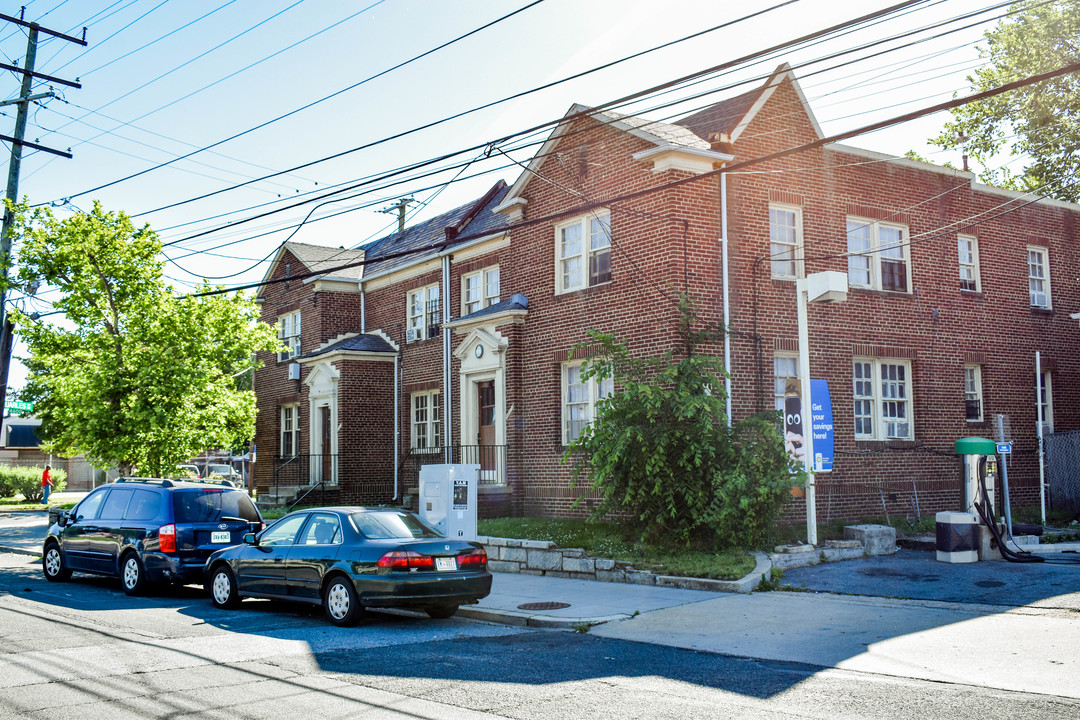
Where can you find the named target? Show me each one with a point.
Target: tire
(441, 612)
(132, 574)
(340, 603)
(222, 587)
(53, 565)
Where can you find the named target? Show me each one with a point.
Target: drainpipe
(447, 402)
(363, 311)
(397, 423)
(727, 294)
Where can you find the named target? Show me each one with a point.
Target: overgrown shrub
(26, 481)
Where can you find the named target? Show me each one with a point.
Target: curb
(19, 551)
(523, 619)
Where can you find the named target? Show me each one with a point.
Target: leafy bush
(26, 481)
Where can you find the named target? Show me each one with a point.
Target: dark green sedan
(350, 558)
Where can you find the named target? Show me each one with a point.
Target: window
(579, 400)
(116, 504)
(967, 248)
(882, 399)
(973, 393)
(1039, 277)
(785, 370)
(426, 421)
(479, 290)
(290, 430)
(424, 316)
(785, 242)
(324, 529)
(877, 255)
(1046, 403)
(583, 252)
(289, 334)
(283, 532)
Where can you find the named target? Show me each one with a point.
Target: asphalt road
(85, 650)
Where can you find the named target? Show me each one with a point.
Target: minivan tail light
(167, 538)
(476, 557)
(405, 559)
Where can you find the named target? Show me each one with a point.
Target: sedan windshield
(391, 526)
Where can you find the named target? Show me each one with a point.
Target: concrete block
(514, 553)
(537, 544)
(605, 564)
(556, 573)
(544, 560)
(526, 571)
(611, 576)
(876, 539)
(579, 564)
(572, 552)
(640, 577)
(503, 567)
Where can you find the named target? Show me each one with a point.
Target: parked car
(351, 558)
(188, 470)
(226, 471)
(147, 530)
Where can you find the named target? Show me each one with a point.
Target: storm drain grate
(544, 606)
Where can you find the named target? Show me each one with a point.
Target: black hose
(1008, 553)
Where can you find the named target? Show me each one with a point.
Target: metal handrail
(320, 484)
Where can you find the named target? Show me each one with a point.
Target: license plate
(445, 563)
(222, 536)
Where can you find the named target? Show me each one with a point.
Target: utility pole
(400, 206)
(7, 339)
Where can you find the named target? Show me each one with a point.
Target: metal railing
(304, 472)
(490, 458)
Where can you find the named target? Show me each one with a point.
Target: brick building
(450, 339)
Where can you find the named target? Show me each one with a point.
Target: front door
(486, 424)
(327, 458)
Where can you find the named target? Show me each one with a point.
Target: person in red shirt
(46, 485)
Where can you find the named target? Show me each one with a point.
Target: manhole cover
(544, 606)
(989, 583)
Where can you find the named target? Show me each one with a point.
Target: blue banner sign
(821, 423)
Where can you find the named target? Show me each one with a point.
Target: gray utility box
(448, 499)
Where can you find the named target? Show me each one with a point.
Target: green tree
(136, 376)
(1041, 122)
(661, 455)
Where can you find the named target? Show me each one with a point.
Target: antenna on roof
(400, 207)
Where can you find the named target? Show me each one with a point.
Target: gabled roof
(517, 301)
(354, 343)
(318, 259)
(732, 116)
(432, 236)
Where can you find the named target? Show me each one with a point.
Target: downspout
(727, 295)
(448, 403)
(397, 423)
(363, 310)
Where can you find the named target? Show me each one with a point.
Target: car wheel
(223, 591)
(441, 612)
(52, 563)
(132, 576)
(340, 602)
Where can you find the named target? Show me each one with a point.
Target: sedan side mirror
(62, 518)
(249, 539)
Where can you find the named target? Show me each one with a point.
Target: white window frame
(479, 290)
(423, 312)
(967, 255)
(1047, 402)
(877, 252)
(290, 431)
(574, 262)
(785, 367)
(1038, 262)
(579, 399)
(792, 257)
(882, 398)
(425, 421)
(289, 334)
(973, 390)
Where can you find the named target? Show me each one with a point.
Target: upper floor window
(583, 252)
(424, 316)
(290, 430)
(479, 290)
(1039, 276)
(967, 247)
(878, 255)
(579, 399)
(785, 241)
(289, 334)
(973, 404)
(426, 421)
(882, 399)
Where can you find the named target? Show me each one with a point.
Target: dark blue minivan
(148, 530)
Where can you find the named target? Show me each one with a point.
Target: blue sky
(162, 79)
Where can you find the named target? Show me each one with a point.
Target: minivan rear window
(198, 505)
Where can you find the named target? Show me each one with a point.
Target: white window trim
(876, 414)
(595, 393)
(798, 248)
(976, 394)
(974, 261)
(295, 430)
(874, 253)
(778, 400)
(1045, 255)
(429, 424)
(289, 328)
(1048, 408)
(428, 318)
(585, 221)
(486, 298)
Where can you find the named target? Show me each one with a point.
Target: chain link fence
(1063, 469)
(81, 475)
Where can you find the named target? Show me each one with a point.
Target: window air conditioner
(896, 430)
(294, 371)
(1039, 300)
(412, 335)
